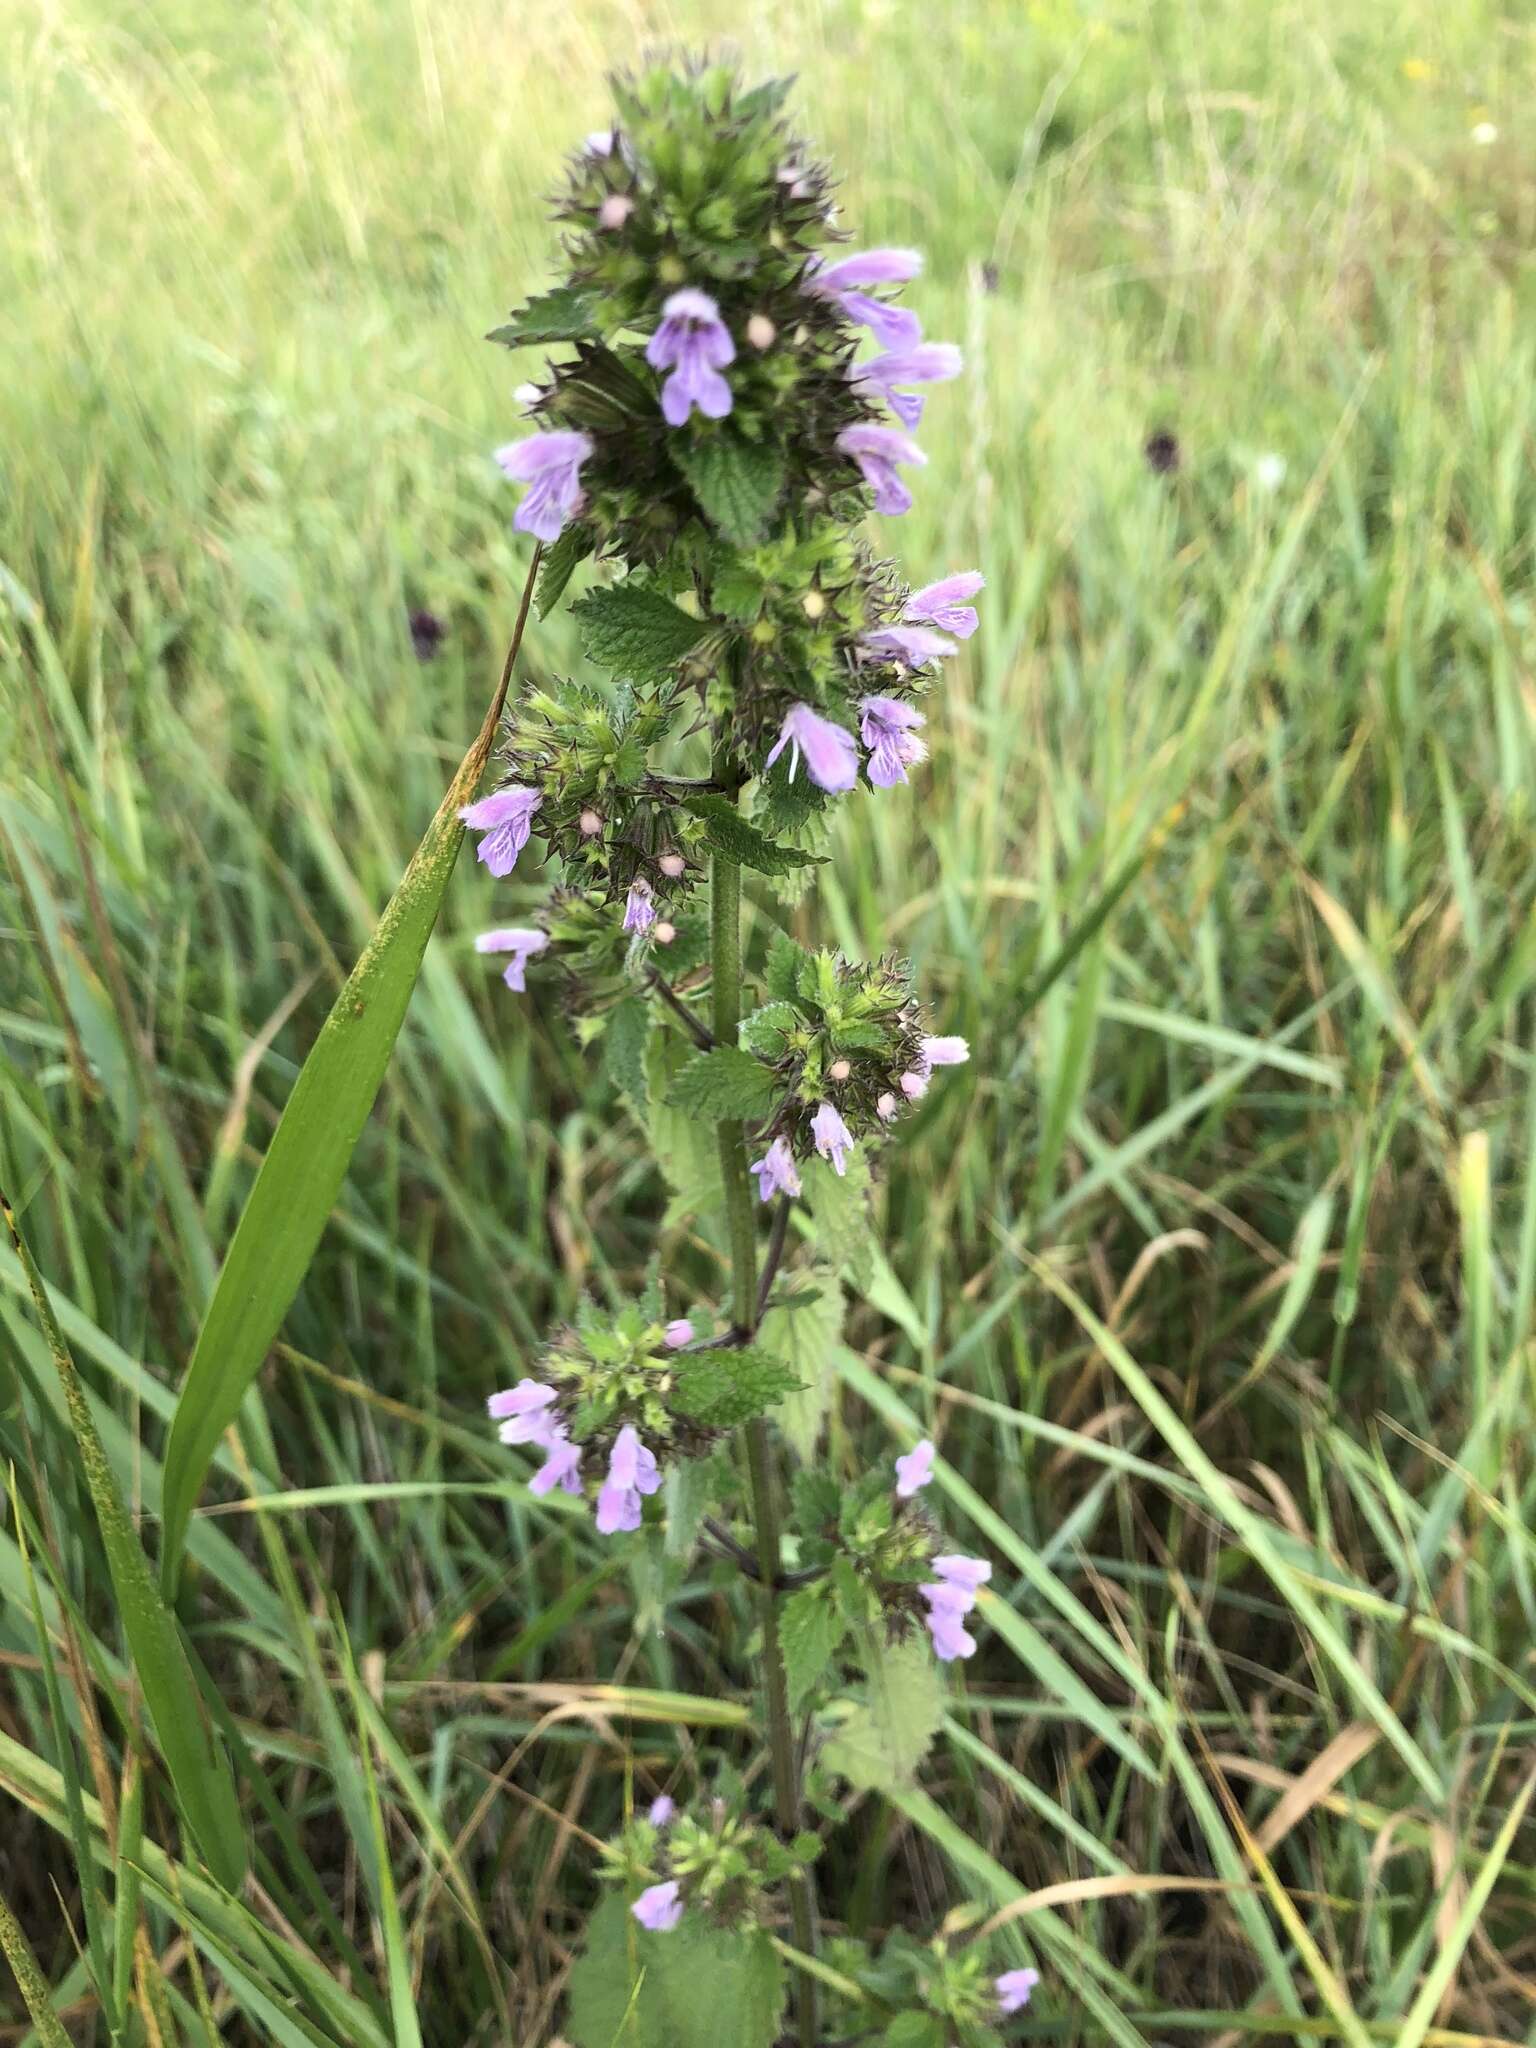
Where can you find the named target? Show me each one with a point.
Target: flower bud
(615, 210)
(813, 604)
(885, 1108)
(591, 824)
(761, 331)
(672, 864)
(664, 933)
(839, 1070)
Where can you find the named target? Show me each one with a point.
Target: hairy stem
(725, 956)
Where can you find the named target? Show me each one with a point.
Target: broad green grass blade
(312, 1146)
(198, 1769)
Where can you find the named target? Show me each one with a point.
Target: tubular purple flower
(927, 362)
(632, 1471)
(522, 1411)
(877, 451)
(945, 603)
(661, 1809)
(1013, 1989)
(892, 326)
(776, 1171)
(944, 1052)
(659, 1907)
(888, 728)
(915, 1470)
(551, 465)
(949, 1635)
(832, 1136)
(692, 342)
(639, 910)
(505, 817)
(964, 1573)
(831, 759)
(678, 1333)
(521, 943)
(561, 1468)
(915, 645)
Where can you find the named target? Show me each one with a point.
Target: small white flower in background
(526, 395)
(1485, 134)
(1269, 472)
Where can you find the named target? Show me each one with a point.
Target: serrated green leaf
(564, 314)
(736, 484)
(881, 1742)
(700, 1986)
(686, 1150)
(805, 1334)
(624, 1044)
(810, 1629)
(815, 1496)
(721, 1389)
(635, 633)
(781, 976)
(561, 561)
(840, 1218)
(764, 1031)
(728, 832)
(725, 1083)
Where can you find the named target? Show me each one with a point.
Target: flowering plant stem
(725, 985)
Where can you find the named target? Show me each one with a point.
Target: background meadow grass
(1212, 1275)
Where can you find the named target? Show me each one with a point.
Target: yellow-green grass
(1213, 1273)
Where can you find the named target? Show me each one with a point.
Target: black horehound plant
(734, 390)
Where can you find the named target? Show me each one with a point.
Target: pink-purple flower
(926, 362)
(832, 1137)
(661, 1810)
(889, 729)
(693, 342)
(562, 1467)
(831, 758)
(846, 281)
(631, 1472)
(659, 1907)
(522, 943)
(916, 646)
(946, 603)
(505, 819)
(678, 1333)
(523, 1412)
(776, 1171)
(551, 465)
(915, 1470)
(944, 1052)
(1013, 1989)
(877, 451)
(951, 1594)
(639, 909)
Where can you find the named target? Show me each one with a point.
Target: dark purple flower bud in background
(1162, 451)
(427, 634)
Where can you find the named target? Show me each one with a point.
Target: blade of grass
(307, 1160)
